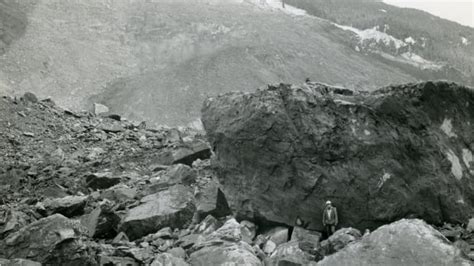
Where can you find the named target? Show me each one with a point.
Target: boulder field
(87, 189)
(401, 151)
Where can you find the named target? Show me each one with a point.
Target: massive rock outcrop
(403, 151)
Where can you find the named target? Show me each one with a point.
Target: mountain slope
(157, 60)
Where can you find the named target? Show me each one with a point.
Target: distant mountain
(157, 60)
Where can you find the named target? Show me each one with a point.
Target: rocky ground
(94, 189)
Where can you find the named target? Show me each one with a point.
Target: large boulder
(402, 151)
(406, 242)
(36, 240)
(173, 207)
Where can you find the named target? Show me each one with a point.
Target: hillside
(158, 60)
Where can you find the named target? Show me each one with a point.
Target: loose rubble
(96, 189)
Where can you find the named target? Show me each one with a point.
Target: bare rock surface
(37, 239)
(405, 242)
(173, 207)
(282, 151)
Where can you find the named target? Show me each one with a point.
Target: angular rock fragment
(290, 253)
(224, 247)
(102, 222)
(19, 262)
(167, 259)
(68, 206)
(119, 193)
(173, 207)
(191, 152)
(102, 180)
(210, 200)
(35, 240)
(339, 240)
(303, 235)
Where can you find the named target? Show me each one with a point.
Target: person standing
(330, 219)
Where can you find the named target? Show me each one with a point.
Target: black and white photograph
(237, 132)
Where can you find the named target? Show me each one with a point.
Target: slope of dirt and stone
(401, 151)
(143, 58)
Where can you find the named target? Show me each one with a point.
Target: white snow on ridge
(410, 40)
(383, 10)
(465, 41)
(374, 34)
(277, 5)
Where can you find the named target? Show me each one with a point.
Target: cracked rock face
(397, 152)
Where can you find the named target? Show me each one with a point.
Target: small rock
(101, 222)
(340, 239)
(289, 254)
(304, 235)
(18, 262)
(115, 117)
(29, 97)
(29, 134)
(178, 252)
(249, 231)
(191, 152)
(470, 225)
(208, 225)
(102, 180)
(120, 238)
(100, 109)
(269, 247)
(167, 259)
(211, 200)
(119, 193)
(68, 206)
(278, 235)
(119, 261)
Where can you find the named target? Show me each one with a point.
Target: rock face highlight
(281, 152)
(406, 242)
(173, 207)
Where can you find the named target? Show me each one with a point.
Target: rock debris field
(97, 189)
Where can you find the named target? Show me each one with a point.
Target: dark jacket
(330, 217)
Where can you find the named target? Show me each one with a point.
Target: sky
(461, 11)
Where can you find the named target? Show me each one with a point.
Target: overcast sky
(461, 11)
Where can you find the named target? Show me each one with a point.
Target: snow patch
(383, 179)
(383, 10)
(343, 102)
(447, 128)
(278, 5)
(366, 132)
(456, 168)
(410, 40)
(373, 34)
(412, 59)
(465, 41)
(468, 159)
(420, 62)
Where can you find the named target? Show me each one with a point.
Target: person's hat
(328, 202)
